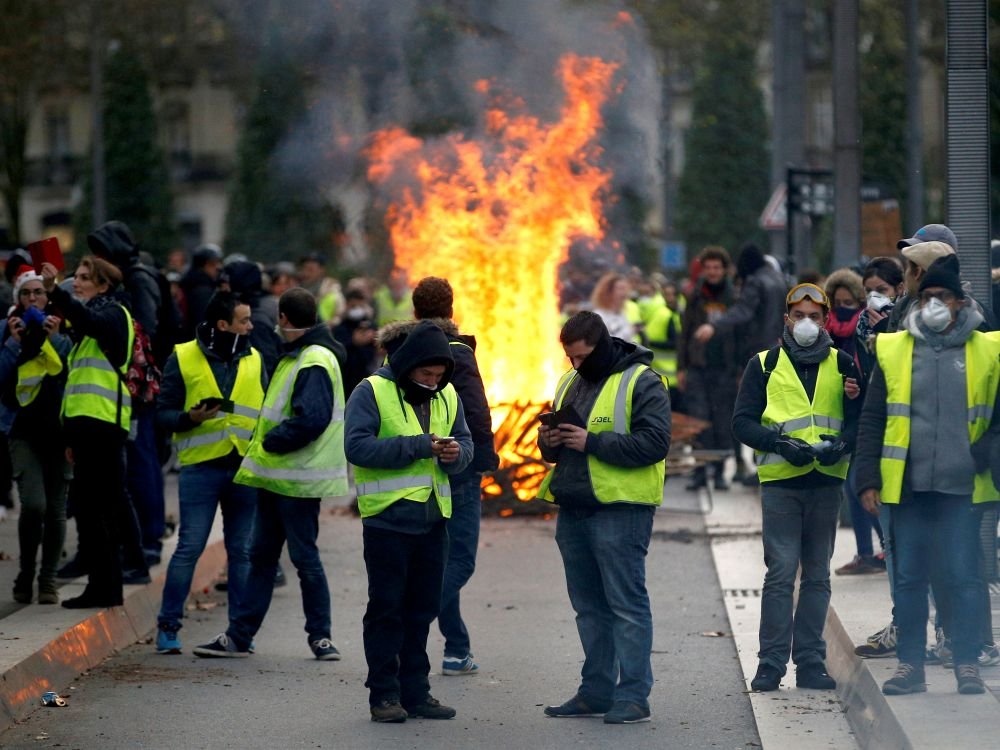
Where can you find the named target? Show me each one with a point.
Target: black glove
(832, 453)
(794, 450)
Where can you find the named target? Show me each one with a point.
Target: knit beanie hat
(944, 272)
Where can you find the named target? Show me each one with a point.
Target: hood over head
(750, 259)
(113, 241)
(410, 346)
(245, 279)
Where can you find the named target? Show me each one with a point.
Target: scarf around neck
(807, 355)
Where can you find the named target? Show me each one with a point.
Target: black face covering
(599, 362)
(844, 314)
(414, 393)
(224, 343)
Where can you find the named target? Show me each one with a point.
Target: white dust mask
(936, 315)
(805, 332)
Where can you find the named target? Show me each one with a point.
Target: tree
(275, 210)
(137, 184)
(724, 184)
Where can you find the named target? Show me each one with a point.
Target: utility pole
(967, 139)
(846, 136)
(97, 45)
(789, 93)
(914, 125)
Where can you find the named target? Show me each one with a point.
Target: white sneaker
(989, 656)
(453, 666)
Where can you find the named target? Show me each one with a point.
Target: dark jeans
(98, 488)
(144, 480)
(41, 475)
(710, 394)
(276, 519)
(800, 527)
(934, 529)
(604, 555)
(203, 488)
(463, 542)
(404, 595)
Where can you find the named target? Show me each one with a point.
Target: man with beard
(608, 437)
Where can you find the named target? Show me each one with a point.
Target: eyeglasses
(807, 291)
(944, 295)
(32, 293)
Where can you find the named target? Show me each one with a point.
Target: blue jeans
(800, 527)
(144, 480)
(279, 518)
(862, 521)
(604, 555)
(934, 529)
(463, 541)
(201, 489)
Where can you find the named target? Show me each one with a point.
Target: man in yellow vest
(406, 434)
(295, 459)
(393, 300)
(210, 399)
(798, 409)
(608, 438)
(924, 451)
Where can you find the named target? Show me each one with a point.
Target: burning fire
(496, 217)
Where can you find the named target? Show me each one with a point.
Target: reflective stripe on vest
(790, 412)
(982, 376)
(318, 469)
(94, 387)
(612, 412)
(32, 373)
(217, 437)
(378, 488)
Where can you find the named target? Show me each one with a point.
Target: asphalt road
(523, 635)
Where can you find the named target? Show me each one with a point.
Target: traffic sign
(775, 214)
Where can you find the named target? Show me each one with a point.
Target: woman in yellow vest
(32, 378)
(924, 450)
(798, 408)
(96, 410)
(406, 434)
(210, 399)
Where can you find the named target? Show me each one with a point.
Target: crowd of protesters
(261, 374)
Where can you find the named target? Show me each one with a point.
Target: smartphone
(211, 402)
(547, 418)
(445, 439)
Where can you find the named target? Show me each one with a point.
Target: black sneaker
(625, 712)
(909, 678)
(721, 483)
(324, 650)
(814, 677)
(767, 679)
(577, 707)
(969, 681)
(431, 709)
(136, 577)
(389, 712)
(221, 646)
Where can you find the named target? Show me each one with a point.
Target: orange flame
(496, 217)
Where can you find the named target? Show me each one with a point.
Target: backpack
(143, 376)
(168, 319)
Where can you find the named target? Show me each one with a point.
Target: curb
(872, 720)
(86, 644)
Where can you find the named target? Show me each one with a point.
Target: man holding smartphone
(608, 479)
(406, 435)
(201, 378)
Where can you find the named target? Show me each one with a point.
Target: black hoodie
(114, 243)
(312, 396)
(245, 280)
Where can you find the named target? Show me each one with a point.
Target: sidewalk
(45, 647)
(860, 606)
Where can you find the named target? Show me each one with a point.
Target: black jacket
(752, 400)
(198, 288)
(469, 385)
(647, 443)
(246, 281)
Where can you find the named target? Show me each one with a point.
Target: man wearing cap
(927, 245)
(936, 378)
(797, 408)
